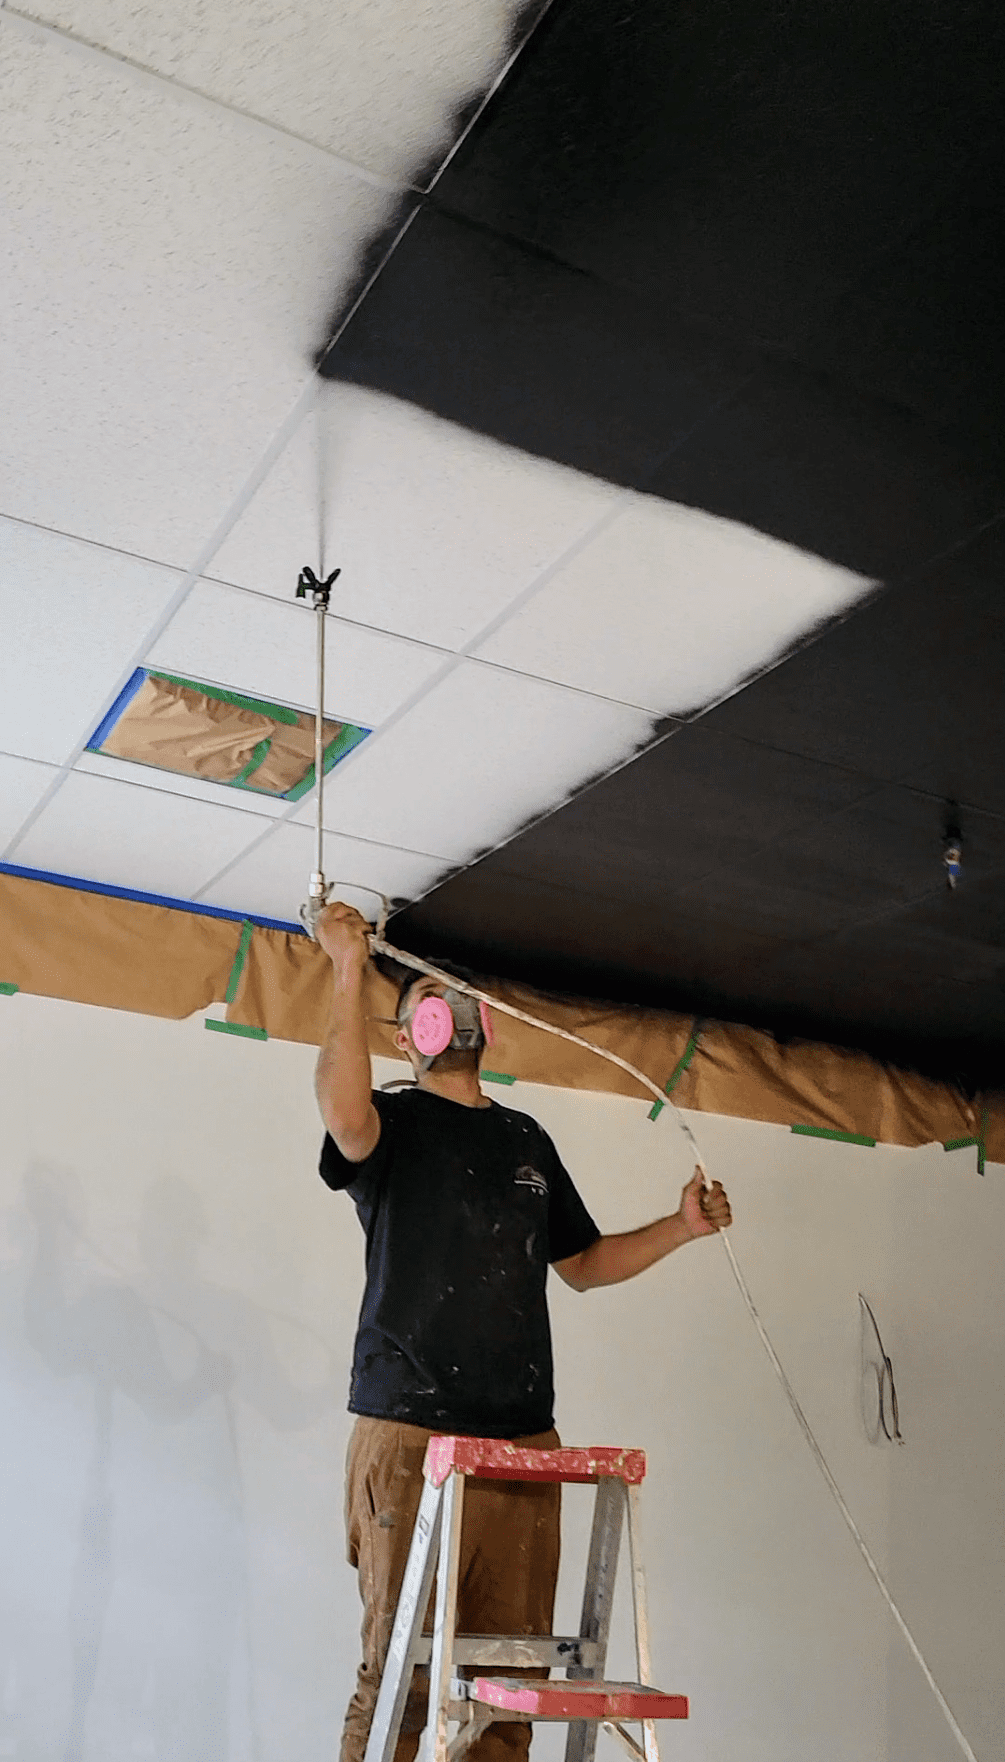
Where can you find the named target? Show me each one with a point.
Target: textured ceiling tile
(899, 330)
(273, 877)
(836, 470)
(908, 688)
(972, 916)
(484, 752)
(879, 853)
(381, 81)
(22, 784)
(142, 838)
(194, 788)
(516, 344)
(751, 159)
(436, 529)
(725, 800)
(72, 615)
(254, 644)
(173, 275)
(669, 608)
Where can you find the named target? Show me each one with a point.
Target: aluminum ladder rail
(583, 1699)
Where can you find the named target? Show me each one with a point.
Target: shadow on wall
(135, 1637)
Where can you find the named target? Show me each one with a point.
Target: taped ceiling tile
(151, 840)
(203, 731)
(474, 522)
(22, 784)
(484, 752)
(72, 614)
(381, 81)
(273, 877)
(187, 263)
(670, 608)
(222, 634)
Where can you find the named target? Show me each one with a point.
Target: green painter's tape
(278, 712)
(247, 931)
(967, 1143)
(839, 1137)
(8, 988)
(246, 1032)
(678, 1071)
(257, 758)
(496, 1077)
(348, 737)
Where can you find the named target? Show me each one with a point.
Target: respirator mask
(453, 1022)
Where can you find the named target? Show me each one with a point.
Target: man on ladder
(465, 1205)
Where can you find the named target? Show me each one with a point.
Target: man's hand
(703, 1212)
(343, 933)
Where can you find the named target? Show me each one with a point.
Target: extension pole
(319, 740)
(318, 892)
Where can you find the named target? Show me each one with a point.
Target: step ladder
(457, 1689)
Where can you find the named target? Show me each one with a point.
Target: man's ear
(403, 1041)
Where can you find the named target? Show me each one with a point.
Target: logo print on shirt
(527, 1177)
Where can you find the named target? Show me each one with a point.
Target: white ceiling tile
(436, 529)
(73, 615)
(483, 753)
(670, 607)
(273, 878)
(22, 784)
(255, 644)
(269, 807)
(176, 268)
(143, 838)
(381, 81)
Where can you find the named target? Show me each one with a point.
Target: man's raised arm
(343, 1080)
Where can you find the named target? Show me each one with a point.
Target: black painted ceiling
(748, 257)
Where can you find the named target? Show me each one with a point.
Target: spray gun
(319, 891)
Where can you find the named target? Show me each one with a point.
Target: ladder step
(496, 1459)
(513, 1651)
(577, 1700)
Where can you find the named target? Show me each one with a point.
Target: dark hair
(412, 978)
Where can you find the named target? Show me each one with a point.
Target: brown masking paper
(120, 953)
(157, 960)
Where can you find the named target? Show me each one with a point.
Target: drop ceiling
(657, 436)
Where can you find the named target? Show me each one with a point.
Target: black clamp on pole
(320, 591)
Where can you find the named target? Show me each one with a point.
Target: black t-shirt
(464, 1208)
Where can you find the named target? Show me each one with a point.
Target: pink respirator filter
(433, 1026)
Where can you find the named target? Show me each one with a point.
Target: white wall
(177, 1299)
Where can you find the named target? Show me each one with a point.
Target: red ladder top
(496, 1459)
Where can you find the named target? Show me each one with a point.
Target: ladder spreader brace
(583, 1698)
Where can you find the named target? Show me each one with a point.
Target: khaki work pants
(509, 1566)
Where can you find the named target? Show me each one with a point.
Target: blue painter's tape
(125, 697)
(174, 905)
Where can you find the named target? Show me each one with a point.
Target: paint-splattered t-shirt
(464, 1208)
